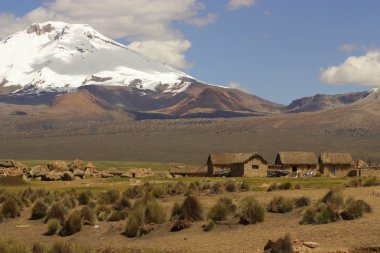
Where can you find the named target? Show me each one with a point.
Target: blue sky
(270, 48)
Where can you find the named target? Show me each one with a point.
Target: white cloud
(358, 70)
(237, 4)
(171, 52)
(236, 85)
(147, 22)
(349, 48)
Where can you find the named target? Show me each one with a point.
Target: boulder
(68, 176)
(106, 175)
(12, 172)
(126, 175)
(52, 176)
(76, 165)
(11, 164)
(114, 172)
(38, 171)
(311, 245)
(141, 172)
(77, 178)
(58, 166)
(90, 165)
(79, 173)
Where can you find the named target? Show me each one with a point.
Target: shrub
(250, 211)
(355, 209)
(281, 205)
(355, 182)
(154, 213)
(216, 188)
(176, 211)
(180, 225)
(208, 226)
(159, 191)
(335, 197)
(195, 186)
(38, 248)
(286, 186)
(272, 187)
(221, 209)
(191, 209)
(136, 223)
(134, 192)
(281, 245)
(67, 247)
(88, 215)
(177, 189)
(11, 208)
(218, 212)
(108, 197)
(56, 211)
(52, 226)
(302, 201)
(122, 204)
(72, 225)
(244, 186)
(84, 197)
(103, 212)
(297, 187)
(230, 186)
(39, 210)
(321, 214)
(13, 246)
(371, 181)
(1, 217)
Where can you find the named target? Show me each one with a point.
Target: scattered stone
(59, 166)
(126, 175)
(106, 175)
(68, 176)
(52, 176)
(114, 172)
(79, 173)
(311, 245)
(38, 171)
(76, 165)
(141, 172)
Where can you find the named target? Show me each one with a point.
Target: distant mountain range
(56, 67)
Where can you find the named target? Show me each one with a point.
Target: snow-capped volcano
(58, 56)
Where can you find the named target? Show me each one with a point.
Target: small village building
(188, 171)
(297, 162)
(236, 165)
(335, 164)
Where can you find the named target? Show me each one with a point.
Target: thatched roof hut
(336, 158)
(296, 158)
(232, 158)
(191, 170)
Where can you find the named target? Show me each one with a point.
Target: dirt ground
(341, 236)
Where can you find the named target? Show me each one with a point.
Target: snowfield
(59, 56)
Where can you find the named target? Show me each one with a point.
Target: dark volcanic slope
(324, 102)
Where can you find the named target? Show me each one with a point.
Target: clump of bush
(39, 210)
(250, 211)
(281, 205)
(281, 245)
(108, 197)
(221, 209)
(134, 192)
(208, 226)
(371, 181)
(244, 186)
(355, 209)
(10, 208)
(72, 225)
(230, 186)
(302, 201)
(57, 211)
(102, 212)
(84, 197)
(88, 215)
(144, 212)
(52, 226)
(280, 186)
(333, 207)
(183, 215)
(216, 188)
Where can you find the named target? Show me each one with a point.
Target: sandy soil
(341, 236)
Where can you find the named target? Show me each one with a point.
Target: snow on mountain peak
(58, 56)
